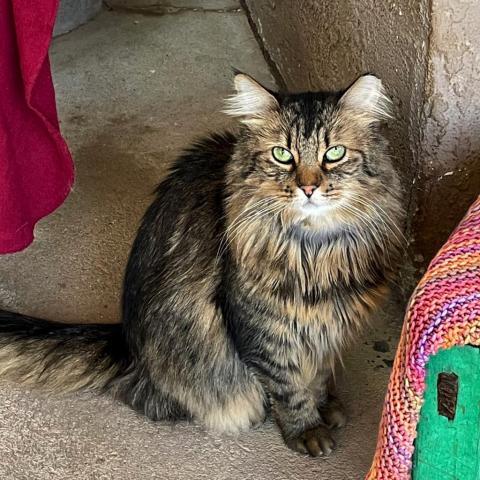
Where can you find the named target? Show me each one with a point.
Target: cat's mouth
(319, 205)
(320, 199)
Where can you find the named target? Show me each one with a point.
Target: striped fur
(58, 357)
(240, 293)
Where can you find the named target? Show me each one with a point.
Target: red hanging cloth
(36, 169)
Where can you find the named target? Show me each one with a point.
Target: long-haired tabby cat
(263, 253)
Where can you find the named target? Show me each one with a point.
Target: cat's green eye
(282, 155)
(334, 154)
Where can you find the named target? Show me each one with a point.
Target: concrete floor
(133, 89)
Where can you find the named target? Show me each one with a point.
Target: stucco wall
(449, 179)
(430, 67)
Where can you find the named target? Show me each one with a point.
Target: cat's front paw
(316, 442)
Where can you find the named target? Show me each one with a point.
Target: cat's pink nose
(308, 189)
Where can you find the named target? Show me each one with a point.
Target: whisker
(383, 219)
(372, 228)
(258, 209)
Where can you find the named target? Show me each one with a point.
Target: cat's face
(315, 157)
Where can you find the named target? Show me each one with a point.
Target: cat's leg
(207, 380)
(294, 406)
(223, 398)
(137, 390)
(286, 370)
(299, 419)
(220, 405)
(330, 407)
(238, 411)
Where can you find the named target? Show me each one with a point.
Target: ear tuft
(367, 96)
(251, 100)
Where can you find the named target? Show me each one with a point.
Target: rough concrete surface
(132, 91)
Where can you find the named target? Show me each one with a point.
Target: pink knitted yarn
(444, 311)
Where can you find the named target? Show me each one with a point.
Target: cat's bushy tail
(60, 357)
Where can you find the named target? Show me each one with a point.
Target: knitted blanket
(444, 311)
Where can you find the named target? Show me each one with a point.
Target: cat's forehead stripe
(307, 113)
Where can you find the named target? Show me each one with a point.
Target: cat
(263, 254)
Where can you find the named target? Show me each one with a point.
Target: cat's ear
(251, 101)
(367, 98)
